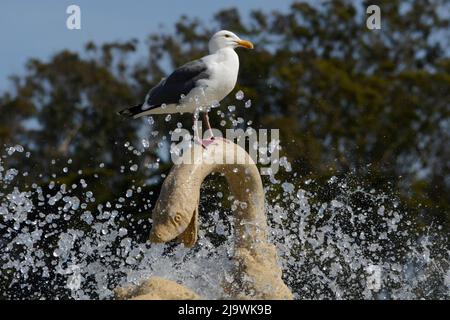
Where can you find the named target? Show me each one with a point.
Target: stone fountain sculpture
(256, 274)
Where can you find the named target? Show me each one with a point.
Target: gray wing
(180, 82)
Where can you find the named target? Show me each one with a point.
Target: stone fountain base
(257, 274)
(156, 288)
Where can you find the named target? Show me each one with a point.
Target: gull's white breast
(223, 68)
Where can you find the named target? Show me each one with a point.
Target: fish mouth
(186, 233)
(157, 236)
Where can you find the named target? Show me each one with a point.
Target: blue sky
(38, 28)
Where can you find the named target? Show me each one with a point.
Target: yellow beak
(245, 44)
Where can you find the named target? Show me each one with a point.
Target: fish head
(180, 225)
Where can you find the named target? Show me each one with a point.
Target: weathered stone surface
(156, 288)
(257, 274)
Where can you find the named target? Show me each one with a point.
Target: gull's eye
(227, 36)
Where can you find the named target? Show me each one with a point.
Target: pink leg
(206, 119)
(207, 142)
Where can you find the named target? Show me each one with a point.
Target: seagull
(197, 85)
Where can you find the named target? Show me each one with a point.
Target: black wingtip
(125, 113)
(131, 112)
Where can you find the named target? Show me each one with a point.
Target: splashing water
(239, 95)
(60, 241)
(325, 249)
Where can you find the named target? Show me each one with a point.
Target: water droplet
(122, 232)
(130, 260)
(336, 204)
(145, 143)
(10, 150)
(288, 187)
(74, 282)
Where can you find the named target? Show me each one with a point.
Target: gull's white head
(227, 39)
